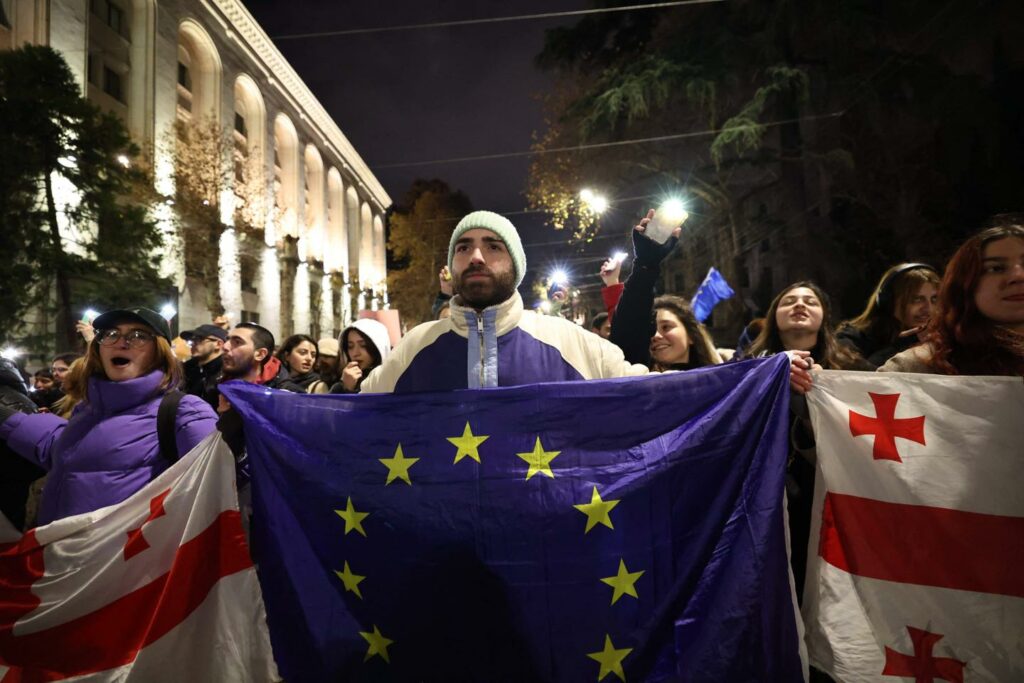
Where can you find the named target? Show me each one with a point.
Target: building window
(112, 84)
(115, 18)
(90, 70)
(184, 77)
(250, 317)
(240, 124)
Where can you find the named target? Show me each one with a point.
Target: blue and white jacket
(502, 346)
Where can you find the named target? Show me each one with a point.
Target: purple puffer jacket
(108, 449)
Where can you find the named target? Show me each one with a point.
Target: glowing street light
(596, 202)
(167, 311)
(124, 160)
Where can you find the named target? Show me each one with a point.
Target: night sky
(426, 94)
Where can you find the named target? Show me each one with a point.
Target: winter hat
(374, 331)
(500, 226)
(327, 347)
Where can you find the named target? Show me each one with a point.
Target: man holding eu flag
(490, 340)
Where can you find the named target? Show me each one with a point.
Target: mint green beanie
(500, 226)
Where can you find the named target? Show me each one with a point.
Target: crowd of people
(101, 425)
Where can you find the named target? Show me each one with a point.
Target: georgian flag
(916, 565)
(157, 588)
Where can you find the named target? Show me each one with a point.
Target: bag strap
(165, 417)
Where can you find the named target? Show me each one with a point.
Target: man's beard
(238, 371)
(484, 292)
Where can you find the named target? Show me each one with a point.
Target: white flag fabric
(916, 565)
(160, 587)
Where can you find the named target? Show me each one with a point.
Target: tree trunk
(64, 315)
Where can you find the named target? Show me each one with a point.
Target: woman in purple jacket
(109, 448)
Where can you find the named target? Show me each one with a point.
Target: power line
(491, 20)
(602, 145)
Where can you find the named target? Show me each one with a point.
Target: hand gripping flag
(157, 588)
(606, 530)
(713, 290)
(915, 565)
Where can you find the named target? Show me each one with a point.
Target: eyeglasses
(134, 338)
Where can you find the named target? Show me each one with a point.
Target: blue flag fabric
(711, 291)
(625, 529)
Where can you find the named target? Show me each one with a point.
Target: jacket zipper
(480, 335)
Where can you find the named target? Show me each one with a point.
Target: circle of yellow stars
(467, 445)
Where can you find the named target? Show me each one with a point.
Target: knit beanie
(500, 226)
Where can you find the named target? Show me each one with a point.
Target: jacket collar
(507, 315)
(108, 397)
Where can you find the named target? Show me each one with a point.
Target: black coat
(201, 380)
(16, 473)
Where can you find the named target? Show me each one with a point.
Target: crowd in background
(98, 423)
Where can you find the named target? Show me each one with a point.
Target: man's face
(206, 348)
(482, 269)
(240, 355)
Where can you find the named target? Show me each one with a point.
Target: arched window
(249, 135)
(353, 227)
(286, 175)
(368, 275)
(379, 249)
(314, 196)
(199, 70)
(336, 253)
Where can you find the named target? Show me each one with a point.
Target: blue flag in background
(625, 529)
(711, 291)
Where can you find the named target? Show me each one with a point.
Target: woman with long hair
(896, 314)
(661, 333)
(797, 321)
(364, 345)
(679, 342)
(298, 354)
(978, 328)
(109, 448)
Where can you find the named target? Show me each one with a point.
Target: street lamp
(123, 160)
(595, 202)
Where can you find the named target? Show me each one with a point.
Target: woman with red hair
(979, 326)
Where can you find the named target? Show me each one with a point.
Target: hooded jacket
(377, 335)
(109, 448)
(501, 346)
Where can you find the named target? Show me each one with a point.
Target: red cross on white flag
(157, 588)
(918, 532)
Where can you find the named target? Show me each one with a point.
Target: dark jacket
(201, 380)
(869, 348)
(16, 473)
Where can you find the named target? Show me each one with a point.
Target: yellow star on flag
(353, 519)
(623, 582)
(398, 466)
(351, 580)
(610, 659)
(597, 511)
(378, 644)
(539, 460)
(467, 444)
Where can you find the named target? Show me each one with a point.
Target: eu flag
(713, 290)
(607, 530)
